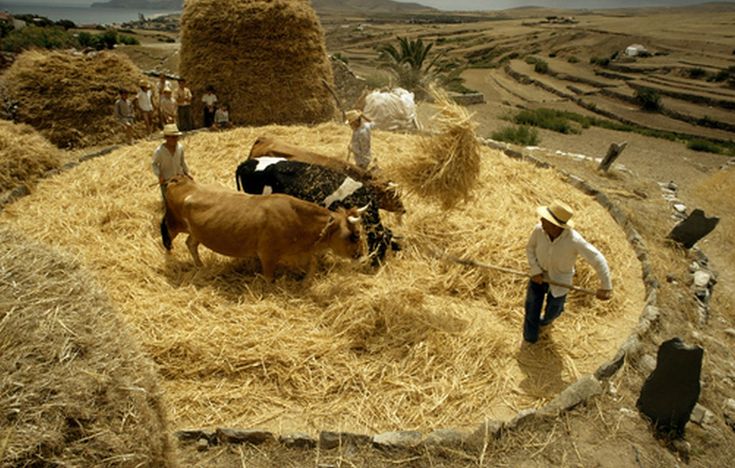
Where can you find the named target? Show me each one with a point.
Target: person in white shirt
(167, 107)
(360, 143)
(209, 99)
(145, 105)
(552, 251)
(168, 159)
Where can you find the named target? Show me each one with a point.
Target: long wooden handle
(475, 263)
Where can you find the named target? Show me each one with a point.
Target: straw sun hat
(352, 115)
(557, 213)
(171, 130)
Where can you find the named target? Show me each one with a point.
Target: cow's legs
(193, 244)
(268, 264)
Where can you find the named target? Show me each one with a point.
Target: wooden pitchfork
(475, 263)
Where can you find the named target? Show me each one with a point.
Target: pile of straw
(24, 155)
(418, 344)
(68, 96)
(266, 58)
(447, 165)
(75, 388)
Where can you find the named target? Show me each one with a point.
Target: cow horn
(353, 219)
(363, 209)
(392, 185)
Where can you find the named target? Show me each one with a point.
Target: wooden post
(612, 154)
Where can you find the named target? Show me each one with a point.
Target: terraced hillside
(689, 65)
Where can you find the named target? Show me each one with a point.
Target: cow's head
(344, 233)
(261, 147)
(388, 196)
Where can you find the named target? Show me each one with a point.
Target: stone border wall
(575, 394)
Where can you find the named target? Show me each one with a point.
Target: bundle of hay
(69, 97)
(24, 155)
(265, 58)
(446, 165)
(417, 344)
(75, 389)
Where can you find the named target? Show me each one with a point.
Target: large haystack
(24, 155)
(69, 97)
(418, 344)
(75, 389)
(266, 58)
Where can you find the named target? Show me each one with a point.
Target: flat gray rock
(693, 228)
(329, 440)
(399, 439)
(243, 436)
(447, 438)
(297, 440)
(580, 391)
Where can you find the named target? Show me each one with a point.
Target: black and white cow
(320, 185)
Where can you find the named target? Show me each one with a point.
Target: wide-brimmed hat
(352, 115)
(143, 83)
(557, 213)
(171, 130)
(167, 89)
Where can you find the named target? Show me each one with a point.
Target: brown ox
(270, 227)
(386, 193)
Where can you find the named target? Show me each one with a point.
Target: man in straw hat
(168, 159)
(552, 251)
(360, 143)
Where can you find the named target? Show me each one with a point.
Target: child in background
(222, 117)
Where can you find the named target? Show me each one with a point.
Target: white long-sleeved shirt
(556, 258)
(167, 165)
(360, 144)
(144, 100)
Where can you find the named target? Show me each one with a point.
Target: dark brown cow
(270, 227)
(385, 192)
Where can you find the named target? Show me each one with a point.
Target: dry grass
(716, 191)
(418, 344)
(267, 59)
(75, 388)
(447, 165)
(69, 97)
(24, 155)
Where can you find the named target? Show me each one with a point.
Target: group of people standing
(168, 106)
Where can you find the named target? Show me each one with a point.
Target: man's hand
(538, 279)
(604, 294)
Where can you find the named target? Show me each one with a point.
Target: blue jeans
(535, 295)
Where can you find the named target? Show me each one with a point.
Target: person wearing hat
(552, 251)
(360, 143)
(145, 105)
(167, 107)
(160, 86)
(124, 114)
(168, 159)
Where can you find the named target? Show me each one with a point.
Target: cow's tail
(165, 235)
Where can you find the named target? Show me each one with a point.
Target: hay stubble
(418, 344)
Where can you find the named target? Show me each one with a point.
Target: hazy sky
(459, 4)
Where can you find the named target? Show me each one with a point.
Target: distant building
(635, 50)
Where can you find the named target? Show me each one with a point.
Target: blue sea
(79, 14)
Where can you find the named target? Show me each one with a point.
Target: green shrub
(552, 54)
(705, 146)
(520, 135)
(541, 67)
(550, 119)
(720, 76)
(33, 36)
(531, 60)
(696, 73)
(340, 57)
(600, 61)
(128, 40)
(573, 59)
(649, 99)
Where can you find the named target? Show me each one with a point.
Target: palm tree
(407, 62)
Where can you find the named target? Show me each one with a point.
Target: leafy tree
(649, 99)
